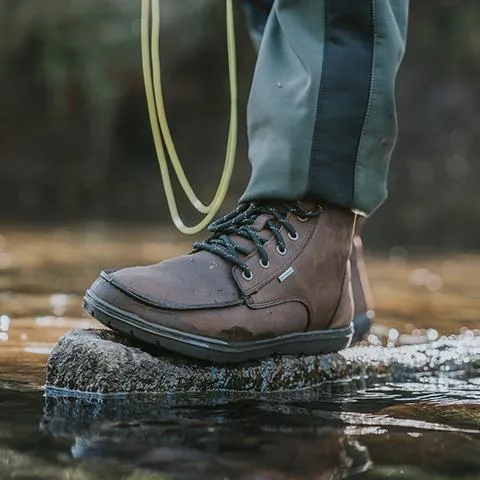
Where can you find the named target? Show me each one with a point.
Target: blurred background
(75, 142)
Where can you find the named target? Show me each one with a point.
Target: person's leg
(342, 58)
(275, 275)
(256, 15)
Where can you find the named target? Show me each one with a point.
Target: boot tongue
(260, 222)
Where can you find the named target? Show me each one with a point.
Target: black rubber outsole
(210, 349)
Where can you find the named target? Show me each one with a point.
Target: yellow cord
(158, 119)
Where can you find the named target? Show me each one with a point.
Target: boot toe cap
(182, 283)
(105, 292)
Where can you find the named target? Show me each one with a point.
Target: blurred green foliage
(82, 41)
(89, 42)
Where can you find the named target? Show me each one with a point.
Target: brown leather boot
(273, 279)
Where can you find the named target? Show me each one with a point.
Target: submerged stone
(100, 361)
(460, 414)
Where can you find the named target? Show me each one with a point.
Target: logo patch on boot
(286, 274)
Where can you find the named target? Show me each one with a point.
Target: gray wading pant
(321, 116)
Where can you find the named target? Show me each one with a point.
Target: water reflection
(327, 454)
(331, 433)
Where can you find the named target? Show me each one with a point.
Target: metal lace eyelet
(302, 219)
(264, 265)
(247, 276)
(281, 251)
(293, 237)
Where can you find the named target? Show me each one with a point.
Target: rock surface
(459, 414)
(100, 361)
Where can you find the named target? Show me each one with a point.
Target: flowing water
(427, 429)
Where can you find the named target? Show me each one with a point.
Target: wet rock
(100, 361)
(460, 414)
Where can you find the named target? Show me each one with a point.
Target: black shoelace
(240, 223)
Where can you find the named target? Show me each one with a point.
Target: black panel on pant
(263, 5)
(343, 99)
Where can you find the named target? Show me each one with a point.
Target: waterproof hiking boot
(274, 278)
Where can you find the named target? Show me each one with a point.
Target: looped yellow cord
(158, 119)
